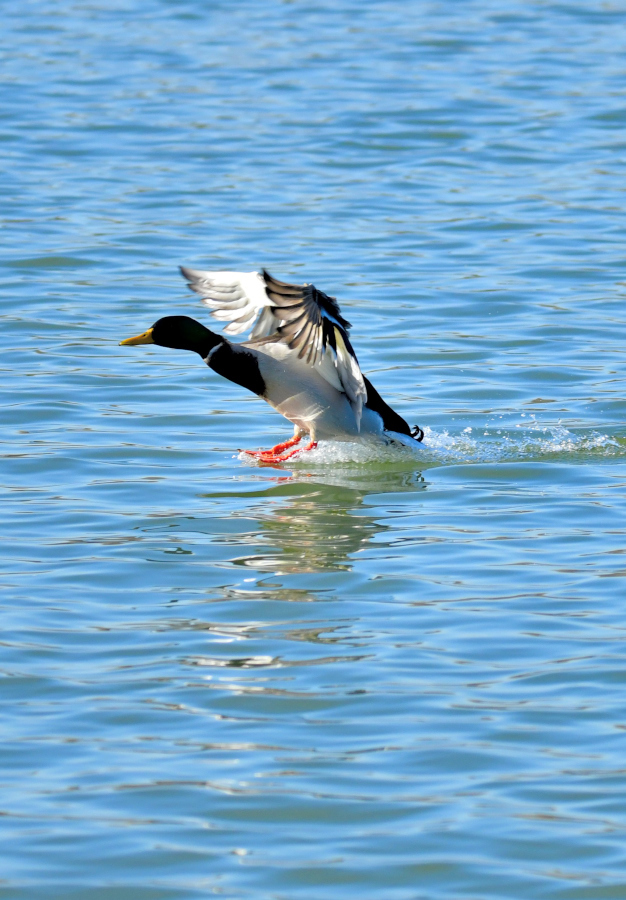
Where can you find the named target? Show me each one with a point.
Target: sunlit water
(375, 672)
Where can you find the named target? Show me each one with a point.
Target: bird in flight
(298, 357)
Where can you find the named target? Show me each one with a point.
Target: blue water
(367, 675)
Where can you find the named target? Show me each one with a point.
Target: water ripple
(391, 671)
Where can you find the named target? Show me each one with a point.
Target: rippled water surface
(376, 674)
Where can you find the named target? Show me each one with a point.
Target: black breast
(238, 365)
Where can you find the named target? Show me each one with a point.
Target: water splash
(524, 441)
(494, 442)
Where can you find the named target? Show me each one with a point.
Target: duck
(298, 358)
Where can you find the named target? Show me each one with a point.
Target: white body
(299, 393)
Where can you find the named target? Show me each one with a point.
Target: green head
(178, 332)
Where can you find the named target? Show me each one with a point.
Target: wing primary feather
(302, 339)
(311, 357)
(299, 337)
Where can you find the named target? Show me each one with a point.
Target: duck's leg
(281, 458)
(261, 454)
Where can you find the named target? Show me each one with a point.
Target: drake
(298, 357)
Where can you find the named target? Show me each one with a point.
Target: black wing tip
(417, 434)
(269, 279)
(319, 308)
(327, 304)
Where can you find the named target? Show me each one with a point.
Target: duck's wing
(233, 297)
(301, 318)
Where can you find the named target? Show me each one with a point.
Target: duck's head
(178, 332)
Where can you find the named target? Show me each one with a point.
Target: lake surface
(390, 676)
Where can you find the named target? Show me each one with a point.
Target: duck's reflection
(317, 523)
(300, 525)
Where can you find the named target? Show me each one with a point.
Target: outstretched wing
(234, 297)
(302, 318)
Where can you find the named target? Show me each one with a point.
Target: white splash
(493, 442)
(525, 441)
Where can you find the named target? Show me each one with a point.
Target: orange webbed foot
(278, 458)
(273, 453)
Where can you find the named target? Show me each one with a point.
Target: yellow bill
(145, 338)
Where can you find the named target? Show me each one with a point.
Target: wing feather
(301, 317)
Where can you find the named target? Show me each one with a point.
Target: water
(394, 675)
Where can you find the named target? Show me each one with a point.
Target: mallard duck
(298, 357)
